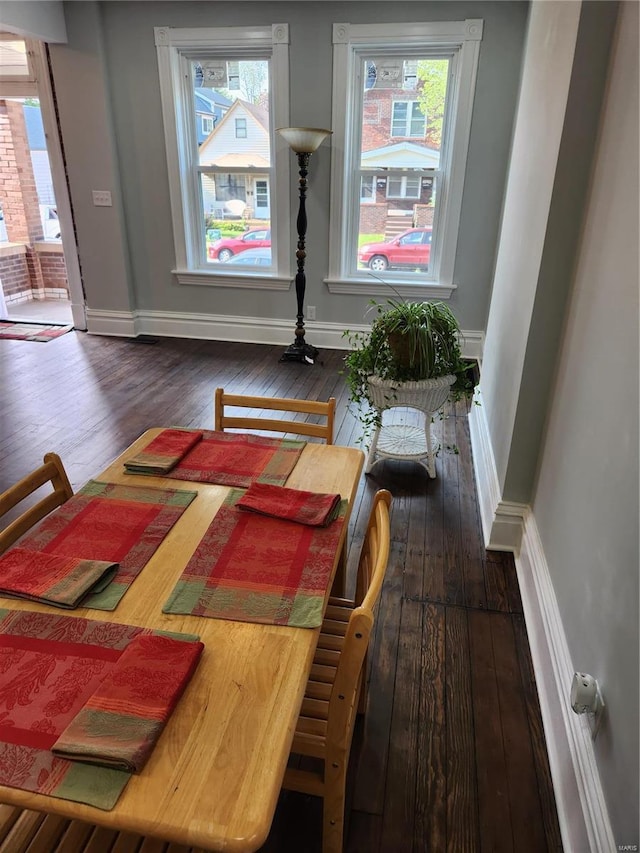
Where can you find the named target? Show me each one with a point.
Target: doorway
(39, 269)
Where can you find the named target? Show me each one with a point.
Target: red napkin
(312, 508)
(163, 452)
(121, 722)
(52, 578)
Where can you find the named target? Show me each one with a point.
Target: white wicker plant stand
(405, 441)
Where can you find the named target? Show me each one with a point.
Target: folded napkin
(164, 451)
(312, 508)
(121, 722)
(52, 578)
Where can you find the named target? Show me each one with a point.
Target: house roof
(261, 119)
(209, 97)
(402, 155)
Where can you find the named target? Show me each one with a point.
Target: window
(367, 189)
(401, 186)
(419, 80)
(408, 119)
(410, 74)
(207, 124)
(215, 184)
(233, 76)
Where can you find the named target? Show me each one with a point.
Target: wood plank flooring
(451, 754)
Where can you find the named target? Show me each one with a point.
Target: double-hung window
(236, 182)
(402, 104)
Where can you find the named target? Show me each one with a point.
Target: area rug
(41, 332)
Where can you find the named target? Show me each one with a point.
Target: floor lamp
(303, 141)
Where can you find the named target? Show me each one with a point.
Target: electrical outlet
(101, 198)
(311, 312)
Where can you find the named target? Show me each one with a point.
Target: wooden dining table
(214, 776)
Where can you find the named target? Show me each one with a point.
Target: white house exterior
(238, 149)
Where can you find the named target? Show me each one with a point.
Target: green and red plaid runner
(50, 665)
(112, 523)
(51, 578)
(163, 452)
(312, 508)
(234, 459)
(121, 722)
(254, 568)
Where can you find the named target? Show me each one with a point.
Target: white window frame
(241, 125)
(351, 43)
(176, 48)
(207, 124)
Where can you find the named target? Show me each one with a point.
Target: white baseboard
(582, 811)
(502, 521)
(509, 526)
(222, 327)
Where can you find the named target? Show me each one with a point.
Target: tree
(253, 80)
(432, 89)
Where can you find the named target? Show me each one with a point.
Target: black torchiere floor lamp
(303, 141)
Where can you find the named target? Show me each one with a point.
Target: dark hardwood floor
(451, 753)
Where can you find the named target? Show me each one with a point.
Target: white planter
(407, 442)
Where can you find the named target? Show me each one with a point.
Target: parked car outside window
(411, 249)
(260, 257)
(227, 247)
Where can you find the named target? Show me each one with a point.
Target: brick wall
(373, 218)
(18, 193)
(14, 273)
(29, 267)
(54, 269)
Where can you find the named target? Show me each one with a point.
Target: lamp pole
(303, 141)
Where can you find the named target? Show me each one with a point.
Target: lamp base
(303, 353)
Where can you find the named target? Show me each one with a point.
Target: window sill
(369, 287)
(242, 280)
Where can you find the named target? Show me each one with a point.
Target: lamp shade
(303, 140)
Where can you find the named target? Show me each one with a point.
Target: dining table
(214, 776)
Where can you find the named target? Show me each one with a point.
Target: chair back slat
(51, 471)
(224, 420)
(374, 557)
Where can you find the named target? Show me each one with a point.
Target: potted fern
(411, 357)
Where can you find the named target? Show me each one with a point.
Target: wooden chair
(335, 691)
(223, 421)
(51, 471)
(26, 831)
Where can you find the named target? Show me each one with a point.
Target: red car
(411, 249)
(226, 247)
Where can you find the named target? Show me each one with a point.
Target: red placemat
(51, 578)
(312, 508)
(121, 722)
(237, 459)
(114, 523)
(254, 568)
(50, 665)
(164, 452)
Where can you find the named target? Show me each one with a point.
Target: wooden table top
(214, 777)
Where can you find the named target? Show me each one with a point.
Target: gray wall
(586, 500)
(120, 45)
(560, 373)
(43, 20)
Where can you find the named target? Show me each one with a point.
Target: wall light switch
(101, 198)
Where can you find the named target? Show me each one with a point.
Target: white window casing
(176, 47)
(460, 41)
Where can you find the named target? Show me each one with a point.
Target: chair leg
(333, 805)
